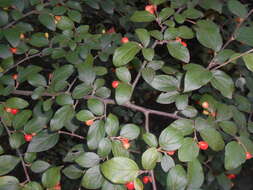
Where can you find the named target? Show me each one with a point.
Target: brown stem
(21, 61)
(71, 134)
(233, 59)
(139, 75)
(153, 180)
(19, 154)
(108, 101)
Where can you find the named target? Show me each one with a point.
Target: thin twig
(138, 75)
(153, 180)
(19, 154)
(71, 134)
(233, 59)
(23, 60)
(108, 101)
(146, 121)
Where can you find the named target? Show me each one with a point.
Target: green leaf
(167, 163)
(96, 106)
(92, 179)
(112, 125)
(170, 139)
(244, 36)
(75, 15)
(243, 103)
(248, 59)
(4, 17)
(84, 115)
(12, 35)
(37, 80)
(190, 111)
(123, 74)
(188, 151)
(237, 8)
(72, 172)
(143, 36)
(195, 174)
(64, 99)
(21, 119)
(224, 112)
(104, 147)
(208, 34)
(95, 134)
(186, 126)
(192, 13)
(61, 116)
(43, 141)
(130, 131)
(178, 51)
(65, 23)
(16, 140)
(193, 75)
(9, 183)
(47, 20)
(120, 170)
(213, 138)
(148, 74)
(17, 103)
(123, 93)
(165, 83)
(81, 90)
(223, 82)
(176, 178)
(149, 158)
(125, 53)
(166, 13)
(39, 166)
(32, 186)
(228, 127)
(4, 52)
(142, 16)
(182, 101)
(39, 40)
(51, 177)
(157, 2)
(148, 53)
(150, 139)
(167, 98)
(118, 150)
(7, 164)
(88, 159)
(234, 155)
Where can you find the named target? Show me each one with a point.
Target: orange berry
(151, 9)
(178, 39)
(231, 176)
(15, 76)
(239, 20)
(248, 155)
(57, 18)
(13, 50)
(124, 40)
(126, 145)
(22, 36)
(89, 122)
(115, 84)
(124, 140)
(171, 153)
(8, 109)
(34, 134)
(205, 105)
(205, 112)
(203, 145)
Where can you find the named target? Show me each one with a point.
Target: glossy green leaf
(167, 163)
(143, 36)
(96, 106)
(95, 134)
(84, 115)
(48, 21)
(51, 177)
(104, 147)
(123, 93)
(176, 178)
(65, 23)
(125, 53)
(16, 140)
(17, 103)
(7, 164)
(39, 40)
(39, 166)
(64, 99)
(32, 186)
(130, 131)
(123, 74)
(111, 125)
(188, 151)
(88, 178)
(168, 97)
(142, 16)
(178, 51)
(120, 170)
(237, 8)
(150, 139)
(21, 118)
(248, 59)
(149, 158)
(72, 172)
(165, 83)
(88, 159)
(195, 174)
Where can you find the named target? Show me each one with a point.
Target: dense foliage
(118, 94)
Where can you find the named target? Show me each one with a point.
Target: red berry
(58, 18)
(151, 9)
(111, 30)
(15, 77)
(89, 122)
(28, 137)
(8, 110)
(171, 153)
(130, 185)
(57, 187)
(146, 179)
(14, 111)
(178, 39)
(184, 44)
(205, 105)
(231, 176)
(203, 145)
(13, 50)
(124, 40)
(115, 84)
(248, 155)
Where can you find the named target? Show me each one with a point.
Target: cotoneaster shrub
(117, 94)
